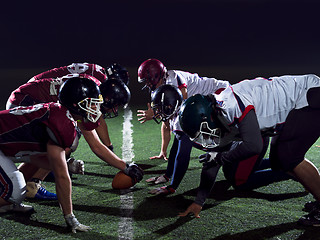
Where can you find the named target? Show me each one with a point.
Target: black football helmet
(115, 70)
(115, 94)
(82, 97)
(151, 72)
(165, 102)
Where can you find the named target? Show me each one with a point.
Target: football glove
(74, 224)
(134, 171)
(75, 166)
(165, 190)
(207, 157)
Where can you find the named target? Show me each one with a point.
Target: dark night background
(226, 39)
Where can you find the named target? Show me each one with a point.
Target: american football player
(40, 135)
(154, 74)
(287, 107)
(115, 94)
(115, 70)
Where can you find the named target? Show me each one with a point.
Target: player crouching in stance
(286, 106)
(41, 134)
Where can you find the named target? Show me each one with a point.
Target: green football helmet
(198, 119)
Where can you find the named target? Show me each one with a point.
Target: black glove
(134, 171)
(207, 157)
(210, 159)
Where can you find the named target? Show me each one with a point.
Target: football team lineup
(248, 131)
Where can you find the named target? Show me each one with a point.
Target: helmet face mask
(207, 137)
(165, 102)
(81, 96)
(164, 112)
(92, 107)
(199, 119)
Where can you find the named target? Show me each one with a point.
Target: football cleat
(165, 190)
(157, 180)
(37, 191)
(22, 208)
(311, 219)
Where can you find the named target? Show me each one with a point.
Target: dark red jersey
(91, 69)
(42, 91)
(24, 130)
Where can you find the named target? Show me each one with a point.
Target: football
(122, 181)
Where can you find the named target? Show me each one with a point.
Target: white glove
(75, 166)
(74, 224)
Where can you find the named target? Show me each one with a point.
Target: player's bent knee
(18, 187)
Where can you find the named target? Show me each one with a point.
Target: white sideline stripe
(125, 228)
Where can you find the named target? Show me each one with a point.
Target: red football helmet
(150, 72)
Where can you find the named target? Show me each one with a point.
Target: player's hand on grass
(145, 115)
(193, 209)
(160, 156)
(74, 224)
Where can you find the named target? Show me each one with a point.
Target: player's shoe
(37, 191)
(157, 180)
(165, 190)
(310, 206)
(21, 208)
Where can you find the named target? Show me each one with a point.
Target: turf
(269, 212)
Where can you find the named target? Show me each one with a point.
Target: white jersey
(272, 99)
(194, 85)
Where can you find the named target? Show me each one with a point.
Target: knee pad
(18, 187)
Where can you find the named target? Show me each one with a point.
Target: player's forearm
(109, 157)
(207, 181)
(165, 137)
(63, 189)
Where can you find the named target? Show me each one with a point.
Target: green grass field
(269, 212)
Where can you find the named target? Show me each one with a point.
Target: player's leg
(34, 177)
(182, 160)
(12, 187)
(300, 132)
(181, 164)
(172, 155)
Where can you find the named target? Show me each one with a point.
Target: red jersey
(91, 69)
(42, 91)
(24, 130)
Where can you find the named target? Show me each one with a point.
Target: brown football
(122, 181)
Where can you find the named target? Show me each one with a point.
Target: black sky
(179, 32)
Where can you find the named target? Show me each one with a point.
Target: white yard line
(125, 228)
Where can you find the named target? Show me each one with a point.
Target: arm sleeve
(207, 181)
(251, 141)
